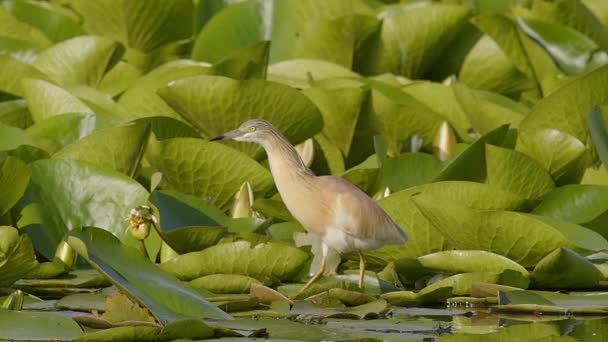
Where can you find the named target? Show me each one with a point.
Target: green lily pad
(573, 14)
(564, 268)
(143, 26)
(15, 113)
(249, 62)
(240, 258)
(224, 283)
(562, 300)
(371, 285)
(45, 100)
(182, 210)
(484, 115)
(17, 256)
(218, 174)
(340, 108)
(531, 331)
(561, 154)
(119, 148)
(577, 203)
(407, 170)
(82, 278)
(573, 52)
(466, 165)
(80, 60)
(74, 194)
(523, 238)
(82, 302)
(59, 130)
(32, 326)
(566, 108)
(190, 239)
(461, 283)
(442, 100)
(165, 296)
(516, 172)
(15, 70)
(413, 37)
(141, 99)
(13, 28)
(456, 261)
(208, 103)
(305, 73)
(14, 178)
(487, 67)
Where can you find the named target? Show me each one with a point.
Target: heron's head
(255, 130)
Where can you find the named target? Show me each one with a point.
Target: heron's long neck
(285, 162)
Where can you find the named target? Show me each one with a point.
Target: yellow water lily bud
(66, 254)
(14, 301)
(382, 194)
(243, 201)
(444, 142)
(140, 219)
(306, 150)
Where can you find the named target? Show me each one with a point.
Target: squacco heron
(345, 218)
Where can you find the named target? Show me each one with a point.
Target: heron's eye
(251, 129)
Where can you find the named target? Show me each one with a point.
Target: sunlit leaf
(201, 163)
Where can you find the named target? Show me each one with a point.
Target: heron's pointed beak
(228, 135)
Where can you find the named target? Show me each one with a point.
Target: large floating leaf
(412, 37)
(37, 326)
(461, 284)
(141, 99)
(523, 238)
(15, 113)
(215, 105)
(141, 25)
(442, 100)
(457, 261)
(119, 148)
(55, 21)
(408, 170)
(561, 154)
(45, 100)
(316, 29)
(586, 205)
(13, 72)
(14, 178)
(572, 51)
(167, 298)
(488, 67)
(74, 194)
(564, 268)
(269, 259)
(13, 28)
(207, 169)
(398, 115)
(483, 114)
(340, 108)
(17, 256)
(572, 13)
(80, 60)
(566, 108)
(467, 164)
(516, 172)
(304, 73)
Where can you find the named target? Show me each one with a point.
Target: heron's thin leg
(314, 278)
(361, 269)
(325, 251)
